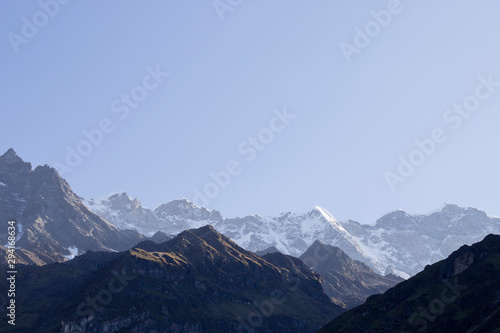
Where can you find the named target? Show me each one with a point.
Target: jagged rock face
(348, 282)
(125, 213)
(458, 294)
(14, 187)
(50, 217)
(199, 281)
(14, 172)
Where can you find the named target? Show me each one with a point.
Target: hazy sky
(288, 104)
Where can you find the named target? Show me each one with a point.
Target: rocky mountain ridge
(398, 243)
(52, 223)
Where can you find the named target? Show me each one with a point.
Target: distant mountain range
(458, 294)
(112, 265)
(398, 243)
(173, 217)
(55, 224)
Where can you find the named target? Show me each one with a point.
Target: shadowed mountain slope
(200, 281)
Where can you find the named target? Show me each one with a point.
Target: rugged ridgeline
(289, 233)
(52, 223)
(458, 294)
(200, 281)
(271, 249)
(55, 225)
(408, 243)
(398, 243)
(172, 218)
(348, 282)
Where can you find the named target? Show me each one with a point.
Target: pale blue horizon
(226, 80)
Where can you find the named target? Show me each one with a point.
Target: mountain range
(398, 243)
(111, 265)
(55, 224)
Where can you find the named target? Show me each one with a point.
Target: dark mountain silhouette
(200, 281)
(458, 294)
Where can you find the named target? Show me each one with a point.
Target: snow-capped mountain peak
(290, 233)
(398, 243)
(186, 209)
(175, 216)
(324, 212)
(329, 217)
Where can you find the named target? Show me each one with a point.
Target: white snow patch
(332, 220)
(401, 274)
(20, 231)
(74, 252)
(19, 234)
(2, 184)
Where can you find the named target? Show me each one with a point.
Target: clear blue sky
(352, 119)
